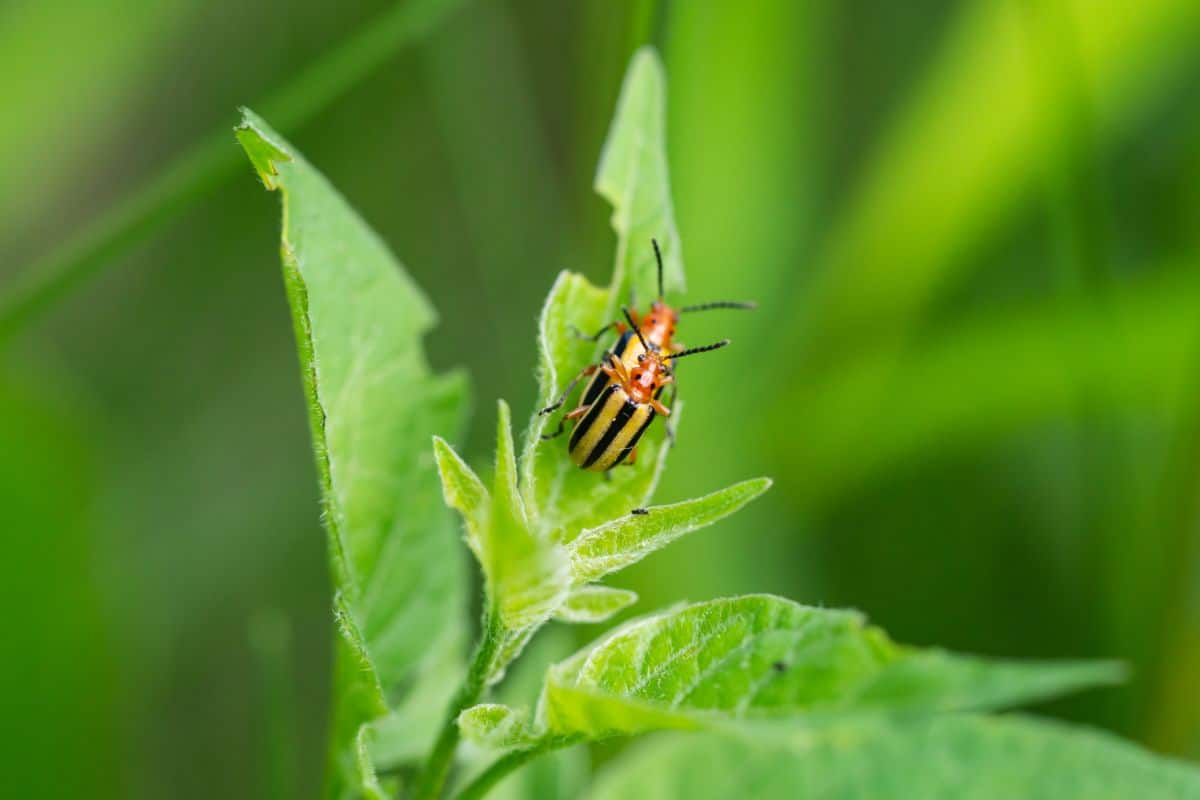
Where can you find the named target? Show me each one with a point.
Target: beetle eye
(641, 357)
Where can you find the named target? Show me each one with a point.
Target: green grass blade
(970, 146)
(208, 165)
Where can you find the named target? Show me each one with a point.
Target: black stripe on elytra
(623, 415)
(589, 418)
(600, 380)
(627, 449)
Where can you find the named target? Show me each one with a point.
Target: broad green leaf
(633, 176)
(972, 143)
(761, 656)
(374, 405)
(961, 757)
(495, 726)
(882, 407)
(594, 603)
(632, 537)
(563, 499)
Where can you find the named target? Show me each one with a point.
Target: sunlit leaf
(494, 725)
(961, 757)
(762, 657)
(630, 538)
(594, 603)
(374, 405)
(633, 176)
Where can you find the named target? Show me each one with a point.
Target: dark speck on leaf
(779, 666)
(638, 512)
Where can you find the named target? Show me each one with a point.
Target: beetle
(655, 332)
(609, 424)
(658, 325)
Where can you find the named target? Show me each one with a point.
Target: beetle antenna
(635, 329)
(749, 306)
(658, 257)
(693, 351)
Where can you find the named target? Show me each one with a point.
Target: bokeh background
(973, 228)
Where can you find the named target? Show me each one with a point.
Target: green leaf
(961, 757)
(374, 405)
(632, 537)
(594, 603)
(495, 726)
(562, 499)
(763, 657)
(633, 178)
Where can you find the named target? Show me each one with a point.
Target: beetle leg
(615, 370)
(659, 408)
(632, 459)
(557, 404)
(619, 327)
(570, 415)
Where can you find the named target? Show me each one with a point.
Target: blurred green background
(973, 228)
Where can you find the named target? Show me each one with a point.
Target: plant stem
(437, 766)
(501, 767)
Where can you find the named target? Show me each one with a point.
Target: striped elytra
(610, 429)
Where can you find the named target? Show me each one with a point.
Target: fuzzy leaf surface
(630, 538)
(764, 657)
(595, 603)
(374, 405)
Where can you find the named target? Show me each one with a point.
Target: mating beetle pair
(622, 398)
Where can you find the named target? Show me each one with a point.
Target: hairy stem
(441, 758)
(501, 767)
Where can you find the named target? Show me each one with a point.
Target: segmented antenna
(658, 257)
(749, 306)
(635, 328)
(694, 350)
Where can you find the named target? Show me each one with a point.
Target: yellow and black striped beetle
(612, 415)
